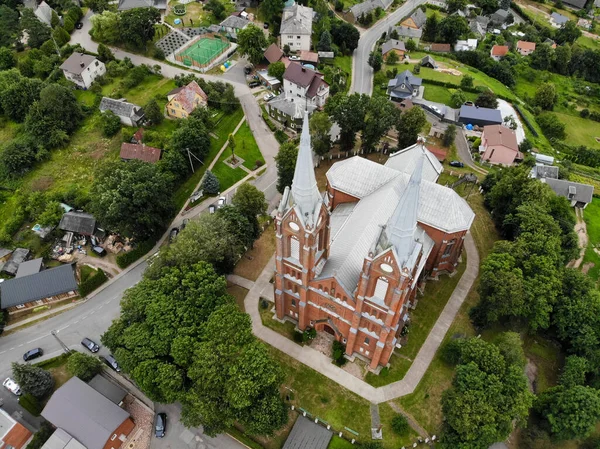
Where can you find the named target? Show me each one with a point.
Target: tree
(567, 34)
(375, 60)
(510, 122)
(37, 32)
(51, 215)
(9, 27)
(252, 43)
(210, 183)
(192, 136)
(104, 53)
(83, 365)
(111, 123)
(466, 82)
(552, 127)
(153, 112)
(41, 436)
(137, 26)
(505, 4)
(431, 28)
(277, 70)
(345, 35)
(271, 9)
(400, 425)
(455, 5)
(133, 199)
(33, 380)
(18, 156)
(320, 126)
(542, 57)
(487, 99)
(546, 96)
(324, 41)
(380, 116)
(562, 58)
(217, 9)
(452, 27)
(349, 113)
(409, 125)
(17, 94)
(410, 45)
(7, 59)
(449, 135)
(457, 99)
(391, 59)
(251, 203)
(286, 164)
(574, 372)
(106, 27)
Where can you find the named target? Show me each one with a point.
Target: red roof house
(141, 152)
(525, 48)
(499, 51)
(499, 145)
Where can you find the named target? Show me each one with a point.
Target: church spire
(403, 222)
(304, 186)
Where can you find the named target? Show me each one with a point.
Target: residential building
(92, 419)
(130, 114)
(466, 45)
(428, 61)
(579, 195)
(395, 46)
(183, 100)
(108, 389)
(558, 20)
(416, 20)
(78, 222)
(406, 33)
(17, 257)
(43, 12)
(273, 53)
(139, 151)
(366, 7)
(125, 5)
(474, 115)
(305, 86)
(82, 69)
(267, 80)
(499, 145)
(296, 27)
(499, 17)
(62, 440)
(33, 290)
(349, 262)
(30, 267)
(498, 52)
(541, 171)
(287, 111)
(440, 48)
(307, 435)
(405, 85)
(478, 29)
(12, 434)
(578, 4)
(525, 48)
(233, 24)
(308, 57)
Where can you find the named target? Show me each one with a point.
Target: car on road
(160, 425)
(211, 209)
(90, 345)
(221, 202)
(435, 109)
(12, 386)
(248, 69)
(79, 25)
(269, 96)
(33, 354)
(457, 164)
(110, 361)
(173, 234)
(469, 103)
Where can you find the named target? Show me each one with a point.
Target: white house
(296, 27)
(82, 69)
(466, 45)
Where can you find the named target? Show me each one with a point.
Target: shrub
(31, 404)
(92, 283)
(281, 136)
(338, 353)
(400, 425)
(83, 365)
(309, 334)
(124, 260)
(584, 113)
(41, 436)
(298, 337)
(210, 183)
(111, 124)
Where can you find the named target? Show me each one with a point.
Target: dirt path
(412, 422)
(581, 231)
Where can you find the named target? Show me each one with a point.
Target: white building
(82, 69)
(305, 85)
(296, 27)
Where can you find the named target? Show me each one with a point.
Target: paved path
(323, 364)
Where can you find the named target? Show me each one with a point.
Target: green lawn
(286, 328)
(227, 176)
(441, 94)
(390, 438)
(86, 272)
(195, 13)
(246, 147)
(339, 443)
(580, 131)
(588, 42)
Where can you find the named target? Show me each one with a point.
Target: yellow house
(183, 100)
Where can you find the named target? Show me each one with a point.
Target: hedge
(126, 259)
(526, 120)
(30, 403)
(92, 283)
(41, 436)
(267, 120)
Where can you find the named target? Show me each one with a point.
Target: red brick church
(348, 262)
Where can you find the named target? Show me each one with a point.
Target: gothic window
(293, 303)
(381, 288)
(294, 248)
(449, 248)
(367, 341)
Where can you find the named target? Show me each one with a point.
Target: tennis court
(203, 51)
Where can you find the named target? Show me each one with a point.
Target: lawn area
(588, 42)
(239, 293)
(390, 438)
(254, 261)
(441, 94)
(286, 328)
(227, 176)
(246, 147)
(580, 131)
(344, 63)
(58, 368)
(339, 443)
(86, 272)
(195, 15)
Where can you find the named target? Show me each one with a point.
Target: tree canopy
(32, 379)
(137, 26)
(252, 43)
(286, 164)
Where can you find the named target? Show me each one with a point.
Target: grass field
(239, 293)
(227, 176)
(441, 94)
(580, 131)
(390, 438)
(247, 148)
(204, 50)
(254, 261)
(588, 42)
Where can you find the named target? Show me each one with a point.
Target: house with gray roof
(288, 111)
(541, 171)
(579, 4)
(78, 222)
(499, 17)
(82, 69)
(92, 419)
(130, 114)
(62, 440)
(404, 86)
(108, 389)
(416, 20)
(406, 33)
(44, 13)
(474, 115)
(397, 46)
(360, 9)
(125, 5)
(296, 27)
(477, 28)
(428, 61)
(17, 257)
(30, 267)
(307, 435)
(558, 20)
(579, 195)
(33, 290)
(232, 25)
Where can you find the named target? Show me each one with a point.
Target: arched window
(449, 248)
(381, 288)
(294, 248)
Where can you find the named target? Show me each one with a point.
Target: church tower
(302, 236)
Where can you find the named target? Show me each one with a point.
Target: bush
(41, 436)
(83, 365)
(268, 121)
(309, 334)
(124, 260)
(339, 349)
(32, 405)
(111, 124)
(584, 113)
(400, 425)
(92, 283)
(281, 136)
(210, 184)
(298, 337)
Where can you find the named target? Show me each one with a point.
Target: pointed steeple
(304, 186)
(401, 227)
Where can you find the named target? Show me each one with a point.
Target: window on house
(298, 37)
(293, 303)
(449, 248)
(367, 340)
(172, 111)
(381, 288)
(294, 248)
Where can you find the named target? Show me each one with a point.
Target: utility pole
(64, 346)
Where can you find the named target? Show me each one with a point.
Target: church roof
(406, 159)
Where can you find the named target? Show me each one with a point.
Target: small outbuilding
(141, 152)
(129, 113)
(78, 222)
(17, 257)
(307, 435)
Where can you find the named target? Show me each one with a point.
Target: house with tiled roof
(273, 53)
(12, 434)
(499, 145)
(349, 261)
(296, 27)
(404, 85)
(525, 48)
(498, 52)
(416, 20)
(366, 7)
(183, 100)
(440, 48)
(139, 151)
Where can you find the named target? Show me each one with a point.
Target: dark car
(79, 25)
(266, 25)
(110, 361)
(248, 69)
(252, 84)
(90, 345)
(33, 354)
(173, 234)
(457, 164)
(160, 425)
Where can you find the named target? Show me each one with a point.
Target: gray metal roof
(573, 191)
(235, 22)
(4, 252)
(576, 3)
(540, 171)
(124, 5)
(119, 107)
(428, 60)
(18, 256)
(392, 44)
(409, 32)
(79, 222)
(369, 5)
(108, 389)
(477, 113)
(294, 109)
(44, 13)
(419, 17)
(406, 160)
(559, 18)
(307, 435)
(84, 413)
(34, 287)
(29, 267)
(500, 15)
(77, 63)
(62, 440)
(296, 19)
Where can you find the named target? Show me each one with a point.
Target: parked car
(184, 224)
(248, 69)
(469, 103)
(160, 425)
(211, 209)
(269, 96)
(221, 202)
(90, 345)
(99, 251)
(254, 83)
(110, 361)
(266, 25)
(435, 109)
(33, 354)
(294, 58)
(457, 164)
(173, 234)
(12, 386)
(79, 25)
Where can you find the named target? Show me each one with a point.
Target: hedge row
(126, 259)
(31, 404)
(92, 283)
(267, 120)
(41, 436)
(526, 120)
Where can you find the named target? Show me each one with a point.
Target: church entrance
(328, 329)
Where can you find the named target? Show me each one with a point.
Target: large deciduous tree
(349, 113)
(380, 116)
(452, 28)
(277, 69)
(251, 203)
(286, 164)
(345, 36)
(191, 135)
(9, 26)
(252, 43)
(37, 32)
(137, 26)
(83, 365)
(409, 125)
(487, 99)
(320, 126)
(106, 27)
(272, 9)
(546, 96)
(17, 94)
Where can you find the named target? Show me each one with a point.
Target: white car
(294, 58)
(269, 96)
(221, 202)
(436, 109)
(12, 386)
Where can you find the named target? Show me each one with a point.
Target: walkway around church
(321, 363)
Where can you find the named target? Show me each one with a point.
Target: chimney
(82, 64)
(303, 69)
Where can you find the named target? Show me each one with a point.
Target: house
(267, 80)
(29, 267)
(498, 52)
(137, 137)
(477, 29)
(368, 6)
(544, 159)
(273, 53)
(30, 291)
(579, 195)
(440, 48)
(82, 69)
(428, 61)
(233, 24)
(499, 145)
(541, 171)
(466, 45)
(287, 111)
(474, 115)
(395, 46)
(12, 434)
(79, 223)
(305, 86)
(405, 85)
(43, 12)
(108, 389)
(525, 48)
(308, 57)
(17, 257)
(416, 20)
(579, 4)
(406, 161)
(296, 27)
(349, 261)
(62, 440)
(406, 33)
(558, 20)
(307, 435)
(92, 419)
(499, 17)
(139, 151)
(130, 114)
(125, 5)
(183, 100)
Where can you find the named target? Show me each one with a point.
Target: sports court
(203, 51)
